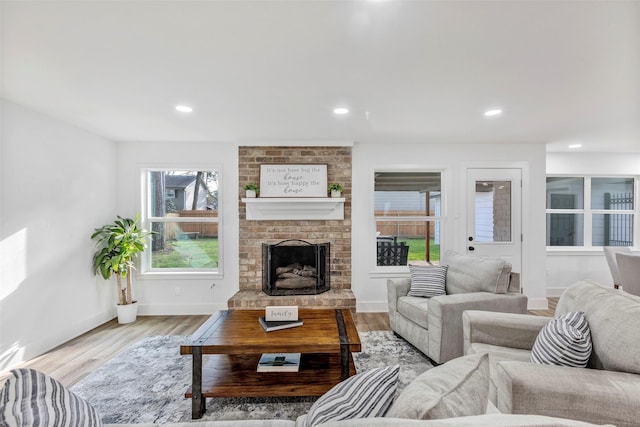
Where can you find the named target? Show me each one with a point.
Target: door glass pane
(565, 229)
(493, 211)
(612, 193)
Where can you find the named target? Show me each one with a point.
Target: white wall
(158, 295)
(453, 159)
(56, 187)
(567, 267)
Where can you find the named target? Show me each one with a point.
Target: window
(407, 209)
(590, 211)
(182, 207)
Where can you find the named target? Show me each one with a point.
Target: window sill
(180, 275)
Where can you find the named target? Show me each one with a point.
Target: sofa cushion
(364, 395)
(489, 420)
(427, 280)
(31, 398)
(414, 309)
(457, 388)
(476, 274)
(564, 341)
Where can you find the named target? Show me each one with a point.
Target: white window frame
(146, 220)
(588, 212)
(401, 270)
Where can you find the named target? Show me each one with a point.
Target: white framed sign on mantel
(293, 180)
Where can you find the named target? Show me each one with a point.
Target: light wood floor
(75, 359)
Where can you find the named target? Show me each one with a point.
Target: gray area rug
(147, 381)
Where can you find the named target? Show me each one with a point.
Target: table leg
(345, 352)
(198, 402)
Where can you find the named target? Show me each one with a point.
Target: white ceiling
(271, 71)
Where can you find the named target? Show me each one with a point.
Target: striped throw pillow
(31, 398)
(364, 395)
(564, 341)
(428, 281)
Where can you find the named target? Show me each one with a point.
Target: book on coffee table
(275, 325)
(279, 362)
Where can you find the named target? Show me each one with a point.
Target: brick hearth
(255, 299)
(253, 233)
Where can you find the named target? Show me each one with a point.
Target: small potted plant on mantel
(335, 189)
(118, 246)
(251, 190)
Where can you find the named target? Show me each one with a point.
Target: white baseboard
(178, 310)
(555, 292)
(372, 306)
(538, 304)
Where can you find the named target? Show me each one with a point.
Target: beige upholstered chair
(610, 253)
(629, 266)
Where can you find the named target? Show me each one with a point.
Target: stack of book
(275, 325)
(279, 362)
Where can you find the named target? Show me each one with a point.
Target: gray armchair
(434, 325)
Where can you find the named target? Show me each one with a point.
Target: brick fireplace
(255, 233)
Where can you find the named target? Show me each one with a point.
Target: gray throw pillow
(564, 341)
(364, 395)
(457, 388)
(427, 281)
(32, 399)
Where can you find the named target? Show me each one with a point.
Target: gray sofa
(434, 325)
(607, 391)
(489, 420)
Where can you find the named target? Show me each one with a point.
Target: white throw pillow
(564, 341)
(32, 399)
(457, 388)
(427, 281)
(364, 395)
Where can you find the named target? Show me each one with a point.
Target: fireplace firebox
(295, 267)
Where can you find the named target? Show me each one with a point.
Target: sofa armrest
(501, 329)
(446, 342)
(591, 395)
(396, 288)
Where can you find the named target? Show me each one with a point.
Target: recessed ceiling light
(491, 113)
(341, 111)
(184, 108)
(575, 145)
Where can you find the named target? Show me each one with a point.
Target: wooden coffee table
(234, 341)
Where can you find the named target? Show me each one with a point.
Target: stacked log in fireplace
(295, 267)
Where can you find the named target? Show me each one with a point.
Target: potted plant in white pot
(118, 246)
(335, 189)
(251, 190)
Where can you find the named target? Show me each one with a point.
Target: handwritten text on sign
(293, 180)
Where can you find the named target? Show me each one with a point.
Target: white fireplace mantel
(291, 208)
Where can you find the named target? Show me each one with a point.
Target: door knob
(471, 248)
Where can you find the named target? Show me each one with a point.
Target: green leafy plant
(334, 186)
(251, 186)
(118, 246)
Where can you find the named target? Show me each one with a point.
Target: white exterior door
(494, 214)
